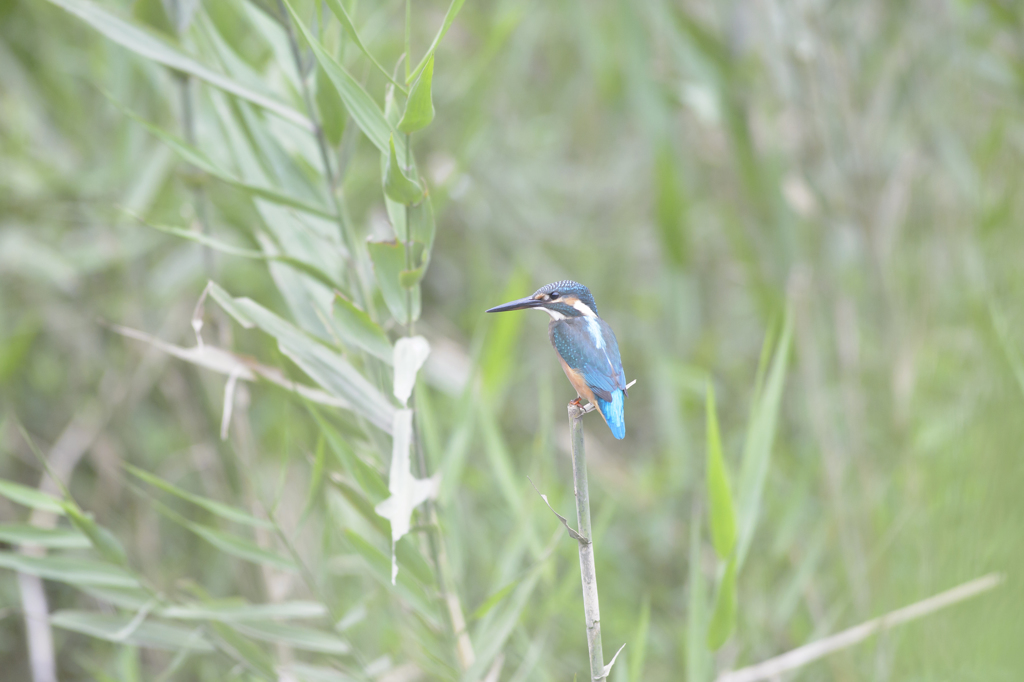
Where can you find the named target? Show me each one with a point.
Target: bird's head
(558, 299)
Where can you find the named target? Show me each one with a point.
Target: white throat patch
(583, 308)
(555, 315)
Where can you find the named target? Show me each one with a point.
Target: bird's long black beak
(521, 304)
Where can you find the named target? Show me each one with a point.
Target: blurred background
(829, 184)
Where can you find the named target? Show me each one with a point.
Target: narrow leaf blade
(147, 45)
(722, 512)
(419, 109)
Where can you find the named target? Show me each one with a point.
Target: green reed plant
(333, 284)
(696, 164)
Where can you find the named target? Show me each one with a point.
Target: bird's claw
(575, 403)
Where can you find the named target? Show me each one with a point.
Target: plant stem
(588, 572)
(188, 124)
(321, 140)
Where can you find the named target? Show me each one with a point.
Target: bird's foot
(576, 403)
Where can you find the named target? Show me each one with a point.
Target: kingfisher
(586, 347)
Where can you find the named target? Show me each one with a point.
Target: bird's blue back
(588, 345)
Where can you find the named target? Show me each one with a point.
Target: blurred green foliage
(835, 180)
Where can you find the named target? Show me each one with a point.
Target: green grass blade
(224, 511)
(71, 570)
(490, 642)
(397, 186)
(388, 264)
(364, 110)
(151, 635)
(723, 618)
(52, 538)
(449, 18)
(102, 540)
(239, 547)
(201, 161)
(297, 636)
(758, 446)
(148, 45)
(231, 613)
(419, 110)
(230, 250)
(357, 328)
(339, 11)
(323, 365)
(722, 513)
(638, 651)
(30, 497)
(407, 587)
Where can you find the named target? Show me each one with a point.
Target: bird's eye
(553, 295)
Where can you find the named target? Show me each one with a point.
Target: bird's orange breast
(577, 381)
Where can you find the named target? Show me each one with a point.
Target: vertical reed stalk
(588, 572)
(359, 284)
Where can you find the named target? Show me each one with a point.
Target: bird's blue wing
(588, 345)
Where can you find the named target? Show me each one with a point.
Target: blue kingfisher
(586, 347)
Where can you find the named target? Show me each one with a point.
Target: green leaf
(639, 648)
(333, 115)
(492, 640)
(361, 504)
(121, 629)
(370, 481)
(222, 247)
(242, 612)
(201, 161)
(722, 515)
(409, 279)
(148, 45)
(239, 547)
(388, 263)
(364, 111)
(323, 365)
(226, 542)
(397, 186)
(419, 109)
(253, 656)
(422, 227)
(409, 589)
(108, 546)
(313, 673)
(356, 327)
(758, 446)
(723, 620)
(57, 538)
(128, 598)
(494, 600)
(297, 636)
(316, 480)
(338, 8)
(30, 497)
(449, 18)
(71, 570)
(226, 512)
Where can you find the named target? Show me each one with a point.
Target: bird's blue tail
(614, 414)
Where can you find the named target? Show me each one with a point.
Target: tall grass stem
(588, 572)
